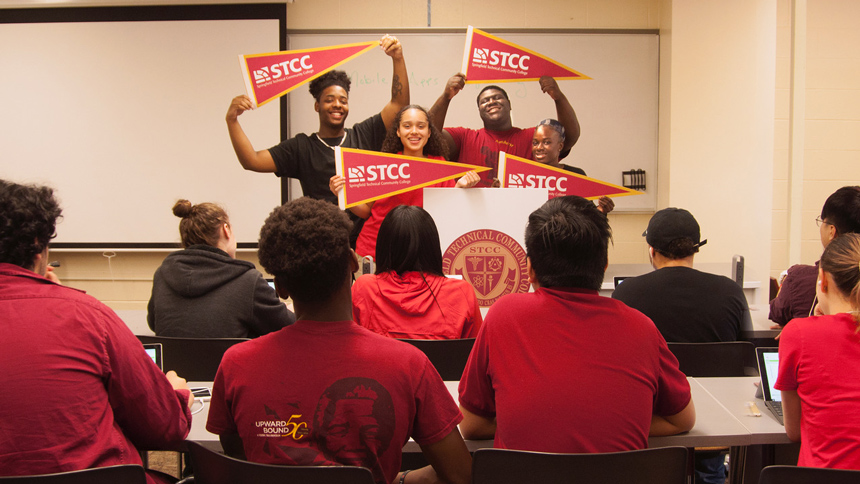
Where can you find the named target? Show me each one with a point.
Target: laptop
(768, 366)
(154, 352)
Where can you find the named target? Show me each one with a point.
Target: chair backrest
(195, 359)
(214, 468)
(449, 356)
(663, 465)
(125, 474)
(731, 358)
(807, 475)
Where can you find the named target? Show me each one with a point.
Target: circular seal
(493, 262)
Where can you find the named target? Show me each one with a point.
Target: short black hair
(305, 245)
(567, 241)
(842, 210)
(491, 86)
(679, 249)
(408, 241)
(28, 221)
(331, 78)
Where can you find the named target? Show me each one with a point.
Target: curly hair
(331, 78)
(305, 245)
(567, 241)
(201, 223)
(28, 220)
(435, 146)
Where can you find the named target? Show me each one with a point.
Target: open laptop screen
(768, 363)
(154, 352)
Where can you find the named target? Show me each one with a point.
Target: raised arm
(440, 109)
(259, 161)
(564, 111)
(399, 80)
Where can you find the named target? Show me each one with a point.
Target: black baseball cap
(671, 224)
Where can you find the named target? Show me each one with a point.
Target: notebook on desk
(768, 366)
(154, 352)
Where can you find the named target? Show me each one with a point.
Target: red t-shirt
(818, 358)
(481, 147)
(408, 307)
(329, 393)
(366, 243)
(77, 390)
(566, 370)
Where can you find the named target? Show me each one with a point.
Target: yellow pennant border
(246, 72)
(503, 172)
(464, 68)
(339, 170)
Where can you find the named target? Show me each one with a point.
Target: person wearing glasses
(796, 298)
(481, 147)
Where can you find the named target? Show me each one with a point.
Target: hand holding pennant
(487, 58)
(270, 76)
(370, 175)
(516, 172)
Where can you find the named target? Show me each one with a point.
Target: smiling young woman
(412, 134)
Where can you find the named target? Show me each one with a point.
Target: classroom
(758, 121)
(725, 74)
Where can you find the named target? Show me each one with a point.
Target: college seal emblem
(491, 261)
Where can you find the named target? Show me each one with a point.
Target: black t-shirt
(686, 305)
(311, 160)
(574, 169)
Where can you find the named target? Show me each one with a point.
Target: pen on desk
(753, 409)
(56, 263)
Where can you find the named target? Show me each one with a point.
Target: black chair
(664, 465)
(214, 468)
(125, 474)
(195, 359)
(807, 475)
(719, 359)
(449, 356)
(732, 358)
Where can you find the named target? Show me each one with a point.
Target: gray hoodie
(201, 292)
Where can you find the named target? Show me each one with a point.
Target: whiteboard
(124, 117)
(617, 109)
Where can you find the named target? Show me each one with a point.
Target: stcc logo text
(497, 58)
(537, 181)
(371, 173)
(281, 69)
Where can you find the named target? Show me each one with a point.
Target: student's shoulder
(366, 283)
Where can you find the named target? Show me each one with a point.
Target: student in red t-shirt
(818, 375)
(481, 147)
(412, 134)
(324, 390)
(409, 295)
(578, 372)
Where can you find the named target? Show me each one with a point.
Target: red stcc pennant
(370, 175)
(488, 58)
(270, 76)
(516, 172)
